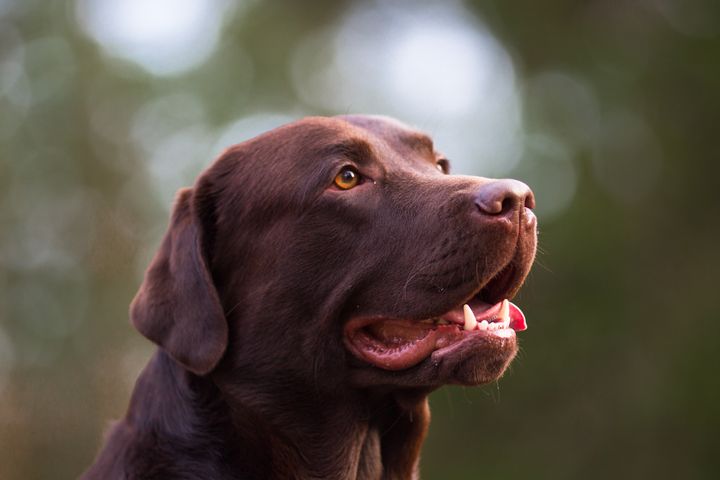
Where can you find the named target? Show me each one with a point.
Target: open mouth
(397, 343)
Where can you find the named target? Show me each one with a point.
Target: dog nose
(499, 197)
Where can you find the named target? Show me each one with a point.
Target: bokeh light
(163, 36)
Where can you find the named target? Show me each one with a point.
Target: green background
(616, 128)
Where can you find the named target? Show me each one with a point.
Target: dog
(314, 285)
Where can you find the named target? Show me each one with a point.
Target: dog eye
(443, 165)
(347, 178)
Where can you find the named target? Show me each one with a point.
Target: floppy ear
(177, 306)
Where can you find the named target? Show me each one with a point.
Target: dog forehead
(399, 135)
(379, 131)
(311, 141)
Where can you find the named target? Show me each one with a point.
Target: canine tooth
(470, 321)
(442, 321)
(483, 325)
(504, 314)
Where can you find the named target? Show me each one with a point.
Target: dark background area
(609, 110)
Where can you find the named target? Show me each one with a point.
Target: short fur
(263, 263)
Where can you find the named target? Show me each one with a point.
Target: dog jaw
(398, 344)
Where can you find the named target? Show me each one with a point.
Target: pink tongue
(517, 318)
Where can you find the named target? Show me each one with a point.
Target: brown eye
(443, 165)
(347, 178)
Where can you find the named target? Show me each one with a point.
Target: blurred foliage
(617, 132)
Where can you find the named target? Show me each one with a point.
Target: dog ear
(177, 306)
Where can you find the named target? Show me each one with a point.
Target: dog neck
(232, 429)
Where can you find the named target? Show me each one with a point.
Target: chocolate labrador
(314, 285)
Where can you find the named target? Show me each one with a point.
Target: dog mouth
(487, 318)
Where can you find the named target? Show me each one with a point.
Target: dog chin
(475, 361)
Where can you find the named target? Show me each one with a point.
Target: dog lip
(398, 343)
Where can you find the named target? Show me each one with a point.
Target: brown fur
(262, 265)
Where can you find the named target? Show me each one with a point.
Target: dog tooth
(470, 321)
(442, 321)
(504, 314)
(483, 325)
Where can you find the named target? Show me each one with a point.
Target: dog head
(338, 253)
